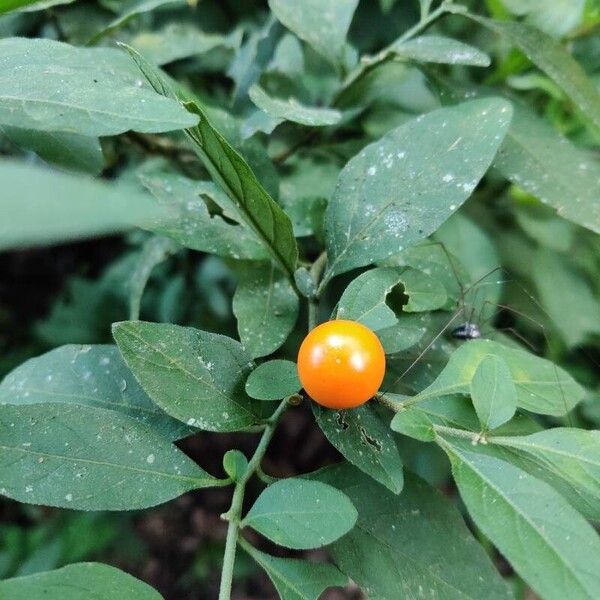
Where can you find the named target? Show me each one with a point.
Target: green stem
(444, 7)
(233, 515)
(447, 6)
(316, 272)
(393, 405)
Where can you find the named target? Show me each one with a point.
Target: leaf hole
(340, 418)
(370, 441)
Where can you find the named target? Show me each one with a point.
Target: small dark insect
(467, 331)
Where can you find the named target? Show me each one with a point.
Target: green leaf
(93, 376)
(555, 17)
(266, 308)
(552, 58)
(566, 458)
(475, 262)
(301, 514)
(88, 458)
(437, 160)
(131, 9)
(305, 283)
(66, 150)
(51, 86)
(418, 420)
(362, 437)
(575, 312)
(547, 165)
(424, 292)
(195, 227)
(297, 579)
(547, 542)
(288, 57)
(76, 208)
(404, 334)
(193, 375)
(292, 110)
(364, 299)
(323, 24)
(81, 581)
(154, 251)
(254, 204)
(235, 464)
(29, 5)
(542, 387)
(493, 392)
(273, 380)
(250, 61)
(435, 257)
(440, 49)
(410, 546)
(176, 41)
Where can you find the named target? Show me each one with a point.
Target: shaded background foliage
(72, 293)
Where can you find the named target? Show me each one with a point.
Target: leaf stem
(316, 272)
(475, 438)
(233, 515)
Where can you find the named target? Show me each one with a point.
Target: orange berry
(341, 364)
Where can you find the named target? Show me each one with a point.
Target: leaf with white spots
(194, 226)
(542, 387)
(193, 375)
(266, 307)
(52, 86)
(292, 110)
(362, 437)
(411, 545)
(400, 189)
(546, 540)
(86, 376)
(87, 458)
(323, 24)
(547, 165)
(301, 514)
(440, 49)
(80, 581)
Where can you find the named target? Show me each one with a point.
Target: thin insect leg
(459, 311)
(424, 351)
(450, 262)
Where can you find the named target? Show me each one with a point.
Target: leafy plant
(428, 171)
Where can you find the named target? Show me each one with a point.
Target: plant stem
(233, 515)
(424, 22)
(447, 6)
(316, 272)
(393, 405)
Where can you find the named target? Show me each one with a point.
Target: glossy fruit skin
(341, 364)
